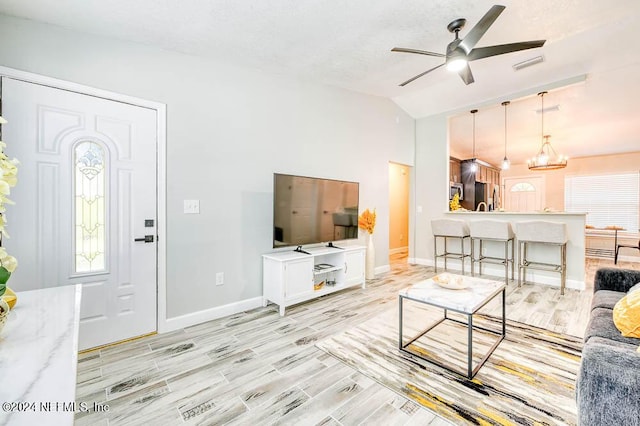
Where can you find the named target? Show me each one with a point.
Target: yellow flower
(10, 263)
(367, 221)
(454, 204)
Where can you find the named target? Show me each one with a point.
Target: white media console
(291, 277)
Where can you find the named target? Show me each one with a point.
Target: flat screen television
(309, 210)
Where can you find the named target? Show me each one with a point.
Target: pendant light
(546, 158)
(505, 162)
(474, 165)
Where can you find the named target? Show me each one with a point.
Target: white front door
(86, 190)
(524, 194)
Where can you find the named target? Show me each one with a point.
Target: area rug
(528, 380)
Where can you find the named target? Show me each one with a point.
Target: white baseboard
(382, 269)
(194, 318)
(538, 277)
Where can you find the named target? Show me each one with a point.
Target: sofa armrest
(615, 279)
(607, 391)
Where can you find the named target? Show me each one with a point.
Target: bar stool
(449, 228)
(492, 230)
(547, 233)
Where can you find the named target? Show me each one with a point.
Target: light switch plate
(192, 206)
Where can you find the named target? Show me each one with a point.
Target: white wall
(431, 183)
(228, 130)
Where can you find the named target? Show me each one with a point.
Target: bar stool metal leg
(435, 253)
(563, 273)
(473, 257)
(462, 251)
(506, 262)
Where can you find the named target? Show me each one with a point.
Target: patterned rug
(528, 380)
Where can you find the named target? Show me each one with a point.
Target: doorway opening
(399, 185)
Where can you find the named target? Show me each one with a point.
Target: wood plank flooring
(256, 367)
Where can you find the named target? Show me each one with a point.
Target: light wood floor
(257, 368)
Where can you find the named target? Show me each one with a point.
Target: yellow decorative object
(454, 204)
(626, 315)
(367, 220)
(318, 286)
(10, 297)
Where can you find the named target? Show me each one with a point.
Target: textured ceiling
(347, 44)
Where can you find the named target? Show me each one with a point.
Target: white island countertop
(39, 356)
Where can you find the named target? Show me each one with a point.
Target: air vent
(549, 109)
(528, 63)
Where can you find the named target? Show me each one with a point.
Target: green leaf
(4, 277)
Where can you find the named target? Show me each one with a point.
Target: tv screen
(308, 210)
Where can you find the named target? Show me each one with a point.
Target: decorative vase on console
(8, 263)
(367, 221)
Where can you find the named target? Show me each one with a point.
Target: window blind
(609, 200)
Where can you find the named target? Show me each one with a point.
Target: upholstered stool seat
(449, 229)
(546, 233)
(496, 231)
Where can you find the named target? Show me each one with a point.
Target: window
(523, 187)
(90, 210)
(609, 200)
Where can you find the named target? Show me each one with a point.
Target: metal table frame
(471, 371)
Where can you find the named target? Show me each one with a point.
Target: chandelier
(546, 158)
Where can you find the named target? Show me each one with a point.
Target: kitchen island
(575, 223)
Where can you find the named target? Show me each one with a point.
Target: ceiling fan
(461, 51)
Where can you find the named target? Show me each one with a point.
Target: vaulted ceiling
(347, 44)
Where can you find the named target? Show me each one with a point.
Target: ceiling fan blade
(501, 49)
(465, 75)
(420, 75)
(419, 52)
(476, 33)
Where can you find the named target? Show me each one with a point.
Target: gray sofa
(608, 385)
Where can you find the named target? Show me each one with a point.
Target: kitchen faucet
(481, 203)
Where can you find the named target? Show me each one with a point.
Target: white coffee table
(467, 302)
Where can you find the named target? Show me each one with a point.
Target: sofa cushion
(606, 299)
(601, 325)
(626, 315)
(615, 279)
(607, 386)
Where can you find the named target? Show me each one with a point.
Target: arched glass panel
(523, 187)
(90, 208)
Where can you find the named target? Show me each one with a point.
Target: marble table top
(39, 356)
(467, 300)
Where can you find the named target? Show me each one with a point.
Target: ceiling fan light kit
(546, 158)
(462, 51)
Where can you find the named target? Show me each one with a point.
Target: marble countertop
(39, 356)
(467, 300)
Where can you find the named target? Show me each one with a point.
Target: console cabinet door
(354, 266)
(298, 278)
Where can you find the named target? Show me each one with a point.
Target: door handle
(146, 239)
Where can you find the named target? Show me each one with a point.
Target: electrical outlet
(192, 206)
(220, 278)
